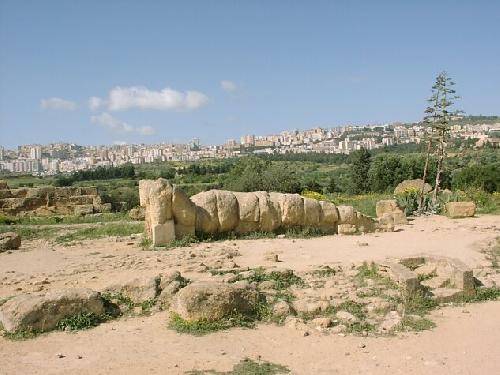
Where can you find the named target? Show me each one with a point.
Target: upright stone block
(163, 234)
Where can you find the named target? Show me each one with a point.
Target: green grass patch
(282, 279)
(69, 219)
(416, 323)
(247, 367)
(324, 271)
(418, 303)
(483, 294)
(84, 320)
(31, 232)
(202, 327)
(371, 271)
(112, 229)
(24, 334)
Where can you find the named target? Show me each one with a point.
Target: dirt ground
(465, 341)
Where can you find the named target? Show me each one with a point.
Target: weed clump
(247, 367)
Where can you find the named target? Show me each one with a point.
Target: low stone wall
(170, 214)
(50, 200)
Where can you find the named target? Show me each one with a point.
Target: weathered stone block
(212, 301)
(83, 209)
(163, 234)
(457, 210)
(43, 312)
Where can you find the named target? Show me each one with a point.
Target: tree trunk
(424, 177)
(439, 166)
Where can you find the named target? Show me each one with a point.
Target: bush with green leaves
(253, 174)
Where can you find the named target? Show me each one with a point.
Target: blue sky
(173, 70)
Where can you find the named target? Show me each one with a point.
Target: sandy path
(462, 343)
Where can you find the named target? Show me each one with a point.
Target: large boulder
(212, 301)
(249, 212)
(184, 212)
(216, 211)
(457, 210)
(270, 215)
(312, 212)
(43, 312)
(227, 210)
(207, 220)
(291, 207)
(347, 215)
(412, 185)
(329, 217)
(9, 241)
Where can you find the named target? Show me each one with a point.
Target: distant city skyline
(98, 73)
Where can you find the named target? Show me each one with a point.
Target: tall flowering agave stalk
(437, 118)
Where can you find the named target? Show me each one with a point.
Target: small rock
(321, 322)
(346, 316)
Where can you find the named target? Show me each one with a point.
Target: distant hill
(474, 120)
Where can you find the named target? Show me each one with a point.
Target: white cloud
(121, 98)
(58, 103)
(112, 123)
(146, 130)
(95, 103)
(228, 86)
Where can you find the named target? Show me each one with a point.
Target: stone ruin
(50, 200)
(446, 279)
(170, 214)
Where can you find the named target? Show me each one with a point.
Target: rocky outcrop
(50, 200)
(42, 312)
(212, 301)
(9, 241)
(412, 185)
(219, 211)
(457, 210)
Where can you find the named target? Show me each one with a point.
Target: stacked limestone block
(390, 214)
(170, 214)
(50, 200)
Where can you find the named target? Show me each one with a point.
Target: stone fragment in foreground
(9, 241)
(41, 312)
(457, 210)
(212, 301)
